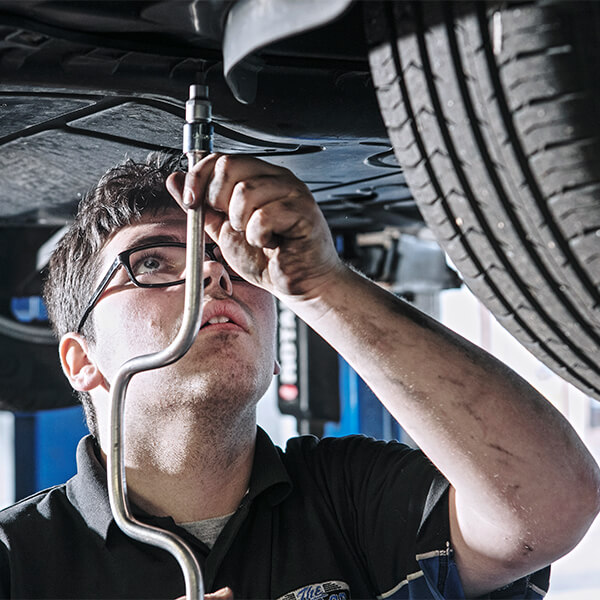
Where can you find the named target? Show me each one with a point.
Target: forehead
(166, 227)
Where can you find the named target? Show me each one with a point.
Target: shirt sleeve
(440, 573)
(380, 492)
(394, 503)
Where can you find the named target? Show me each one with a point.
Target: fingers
(215, 176)
(276, 220)
(257, 192)
(265, 220)
(223, 594)
(175, 183)
(242, 184)
(213, 223)
(189, 189)
(259, 199)
(248, 193)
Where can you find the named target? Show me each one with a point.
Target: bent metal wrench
(197, 140)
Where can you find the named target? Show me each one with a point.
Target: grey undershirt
(208, 530)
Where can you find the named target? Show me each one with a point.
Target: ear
(77, 363)
(276, 368)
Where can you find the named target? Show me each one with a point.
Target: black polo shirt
(332, 518)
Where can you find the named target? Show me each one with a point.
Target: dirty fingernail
(188, 197)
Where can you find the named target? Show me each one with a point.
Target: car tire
(29, 377)
(30, 374)
(493, 112)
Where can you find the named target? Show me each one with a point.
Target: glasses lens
(158, 265)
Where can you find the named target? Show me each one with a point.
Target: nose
(216, 278)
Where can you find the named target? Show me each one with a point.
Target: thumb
(213, 222)
(223, 594)
(175, 186)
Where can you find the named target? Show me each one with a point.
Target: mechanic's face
(233, 354)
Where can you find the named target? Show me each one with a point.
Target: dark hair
(122, 195)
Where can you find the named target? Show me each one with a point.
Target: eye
(147, 265)
(158, 265)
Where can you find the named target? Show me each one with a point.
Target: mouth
(223, 317)
(220, 323)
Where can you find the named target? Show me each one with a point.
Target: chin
(221, 376)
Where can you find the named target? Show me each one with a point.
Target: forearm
(511, 458)
(503, 447)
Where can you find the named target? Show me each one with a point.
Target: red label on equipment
(288, 392)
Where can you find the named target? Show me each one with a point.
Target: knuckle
(244, 187)
(225, 162)
(291, 205)
(261, 218)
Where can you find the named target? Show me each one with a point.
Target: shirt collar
(88, 492)
(268, 471)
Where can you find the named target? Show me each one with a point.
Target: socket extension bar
(197, 140)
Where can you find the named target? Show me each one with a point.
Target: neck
(188, 468)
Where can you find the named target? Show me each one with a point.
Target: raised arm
(524, 488)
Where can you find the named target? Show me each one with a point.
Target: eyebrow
(150, 238)
(153, 239)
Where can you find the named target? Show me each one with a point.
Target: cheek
(266, 316)
(137, 323)
(263, 306)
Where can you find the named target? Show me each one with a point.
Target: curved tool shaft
(192, 315)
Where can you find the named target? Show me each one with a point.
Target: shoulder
(311, 443)
(358, 460)
(38, 501)
(23, 524)
(359, 449)
(32, 512)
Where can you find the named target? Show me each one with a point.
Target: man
(331, 519)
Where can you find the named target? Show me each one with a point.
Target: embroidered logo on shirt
(328, 590)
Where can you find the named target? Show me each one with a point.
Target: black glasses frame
(122, 260)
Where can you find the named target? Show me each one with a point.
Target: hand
(222, 594)
(265, 221)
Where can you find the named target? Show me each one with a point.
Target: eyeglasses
(152, 266)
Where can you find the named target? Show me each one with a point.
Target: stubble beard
(207, 417)
(211, 390)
